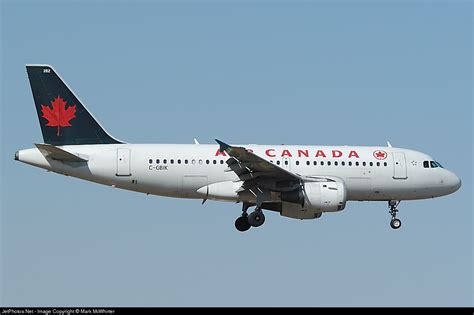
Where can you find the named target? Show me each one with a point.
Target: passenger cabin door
(123, 162)
(399, 166)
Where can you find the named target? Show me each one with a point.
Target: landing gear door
(123, 162)
(399, 166)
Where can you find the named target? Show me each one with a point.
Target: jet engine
(313, 198)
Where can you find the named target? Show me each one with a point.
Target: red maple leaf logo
(380, 155)
(58, 115)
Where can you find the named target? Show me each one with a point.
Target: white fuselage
(199, 171)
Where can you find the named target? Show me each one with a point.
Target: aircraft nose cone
(457, 184)
(453, 182)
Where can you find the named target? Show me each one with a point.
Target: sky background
(267, 72)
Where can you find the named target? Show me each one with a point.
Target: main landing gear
(246, 221)
(394, 223)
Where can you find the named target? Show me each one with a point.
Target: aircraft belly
(358, 188)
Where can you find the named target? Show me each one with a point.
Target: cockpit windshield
(433, 164)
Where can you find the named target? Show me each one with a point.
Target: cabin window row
(315, 163)
(185, 161)
(335, 163)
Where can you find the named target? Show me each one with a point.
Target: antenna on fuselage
(388, 144)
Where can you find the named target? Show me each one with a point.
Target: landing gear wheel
(395, 223)
(256, 218)
(242, 224)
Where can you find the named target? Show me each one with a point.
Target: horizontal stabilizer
(55, 153)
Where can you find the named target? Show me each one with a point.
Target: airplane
(298, 181)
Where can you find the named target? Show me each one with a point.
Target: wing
(261, 178)
(256, 171)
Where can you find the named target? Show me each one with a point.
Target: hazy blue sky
(322, 72)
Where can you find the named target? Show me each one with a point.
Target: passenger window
(371, 164)
(193, 161)
(214, 162)
(350, 163)
(343, 163)
(307, 162)
(278, 162)
(357, 163)
(433, 164)
(364, 164)
(200, 161)
(286, 162)
(335, 163)
(322, 163)
(315, 163)
(157, 161)
(179, 161)
(329, 163)
(207, 161)
(222, 161)
(164, 161)
(172, 161)
(378, 163)
(297, 162)
(185, 161)
(150, 161)
(384, 163)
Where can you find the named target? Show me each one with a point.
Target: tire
(242, 224)
(256, 218)
(395, 224)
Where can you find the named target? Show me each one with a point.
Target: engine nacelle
(326, 196)
(296, 211)
(314, 198)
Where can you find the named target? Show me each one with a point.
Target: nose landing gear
(394, 222)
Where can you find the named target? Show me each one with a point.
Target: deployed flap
(59, 154)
